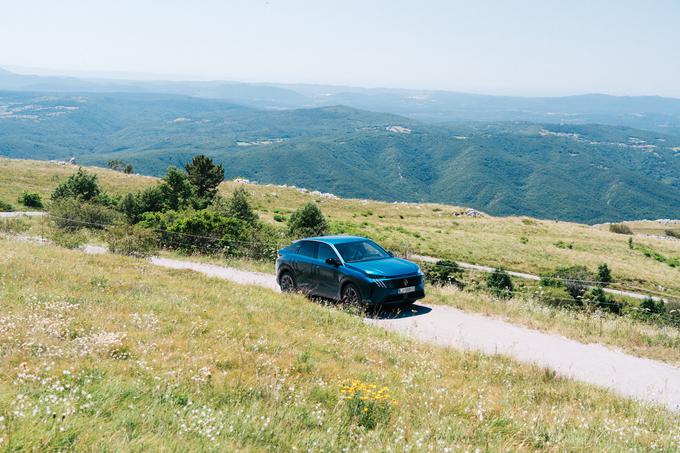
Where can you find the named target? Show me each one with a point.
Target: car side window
(325, 252)
(293, 248)
(308, 248)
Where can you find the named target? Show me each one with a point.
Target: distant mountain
(642, 112)
(587, 173)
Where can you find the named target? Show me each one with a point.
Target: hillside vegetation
(586, 173)
(516, 243)
(108, 350)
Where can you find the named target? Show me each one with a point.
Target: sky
(518, 47)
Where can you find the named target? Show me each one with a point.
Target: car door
(304, 266)
(327, 275)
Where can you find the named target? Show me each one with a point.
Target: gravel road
(642, 379)
(525, 276)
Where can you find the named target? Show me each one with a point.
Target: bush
(576, 280)
(68, 239)
(119, 165)
(620, 228)
(555, 296)
(6, 207)
(82, 186)
(239, 206)
(444, 272)
(71, 214)
(307, 221)
(598, 298)
(673, 233)
(131, 240)
(500, 284)
(201, 231)
(31, 200)
(604, 275)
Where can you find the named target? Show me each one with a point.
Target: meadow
(514, 243)
(109, 353)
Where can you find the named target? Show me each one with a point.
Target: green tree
(307, 221)
(204, 176)
(176, 189)
(82, 186)
(239, 206)
(604, 275)
(128, 206)
(500, 283)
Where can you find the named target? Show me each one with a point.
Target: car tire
(350, 294)
(287, 282)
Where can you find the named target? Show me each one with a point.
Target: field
(515, 243)
(437, 230)
(110, 352)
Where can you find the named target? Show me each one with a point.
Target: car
(351, 269)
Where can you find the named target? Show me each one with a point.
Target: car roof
(335, 239)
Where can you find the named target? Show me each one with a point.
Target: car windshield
(353, 252)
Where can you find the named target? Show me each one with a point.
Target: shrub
(201, 231)
(555, 296)
(620, 228)
(31, 200)
(564, 245)
(239, 206)
(279, 218)
(119, 165)
(500, 283)
(82, 186)
(444, 272)
(131, 240)
(307, 221)
(68, 239)
(71, 214)
(651, 307)
(604, 275)
(6, 207)
(576, 280)
(673, 233)
(598, 298)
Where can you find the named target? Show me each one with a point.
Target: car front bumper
(378, 295)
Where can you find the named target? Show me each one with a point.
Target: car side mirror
(332, 262)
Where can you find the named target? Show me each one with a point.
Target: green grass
(113, 353)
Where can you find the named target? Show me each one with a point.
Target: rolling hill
(586, 173)
(642, 112)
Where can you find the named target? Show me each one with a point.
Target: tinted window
(293, 248)
(325, 252)
(308, 248)
(361, 251)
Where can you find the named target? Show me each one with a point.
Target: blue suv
(348, 268)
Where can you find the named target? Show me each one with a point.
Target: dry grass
(516, 243)
(107, 352)
(620, 332)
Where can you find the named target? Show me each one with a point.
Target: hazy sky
(508, 47)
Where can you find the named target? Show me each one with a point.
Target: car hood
(388, 267)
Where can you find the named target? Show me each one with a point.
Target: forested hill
(586, 173)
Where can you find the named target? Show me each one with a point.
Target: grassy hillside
(516, 243)
(111, 351)
(586, 173)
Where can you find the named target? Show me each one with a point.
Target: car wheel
(350, 294)
(287, 282)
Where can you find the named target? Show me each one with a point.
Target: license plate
(408, 289)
